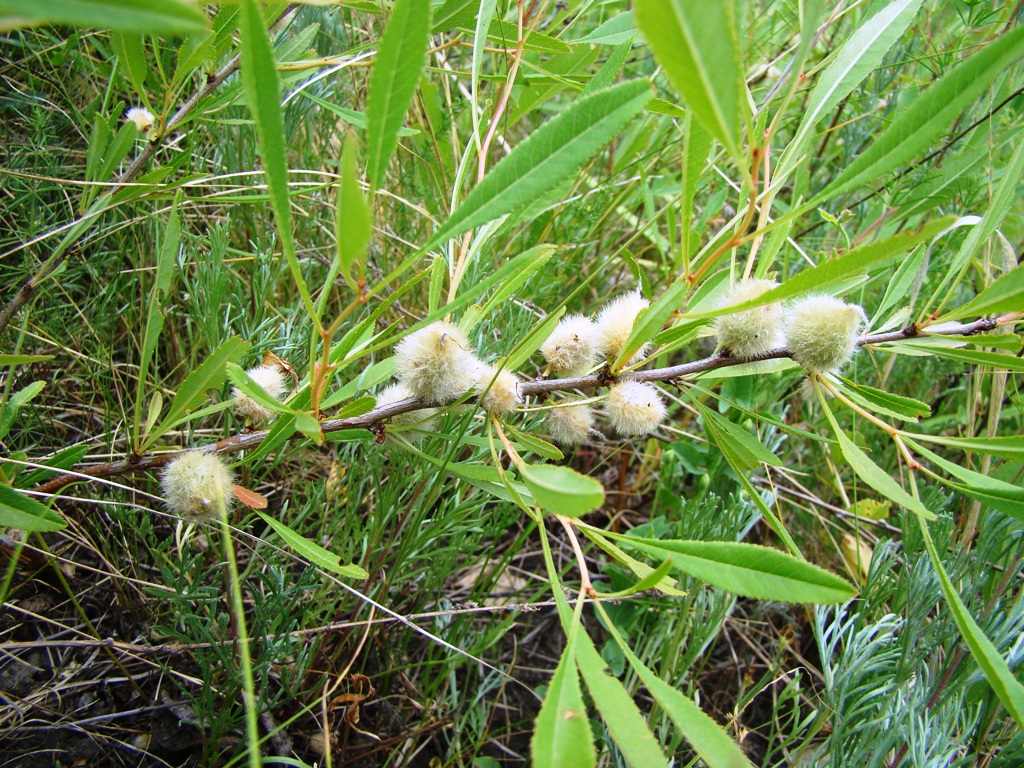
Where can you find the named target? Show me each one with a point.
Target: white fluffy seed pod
(570, 347)
(194, 483)
(634, 408)
(142, 118)
(614, 324)
(499, 390)
(274, 383)
(436, 363)
(569, 424)
(754, 331)
(822, 331)
(421, 419)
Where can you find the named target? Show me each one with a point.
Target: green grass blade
(401, 56)
(696, 43)
(924, 121)
(552, 154)
(263, 91)
(562, 737)
(158, 17)
(1006, 686)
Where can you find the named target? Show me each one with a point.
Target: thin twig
(374, 420)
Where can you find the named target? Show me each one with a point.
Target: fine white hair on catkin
(634, 408)
(194, 484)
(822, 331)
(422, 419)
(142, 118)
(569, 349)
(436, 363)
(274, 383)
(498, 390)
(569, 424)
(614, 324)
(752, 331)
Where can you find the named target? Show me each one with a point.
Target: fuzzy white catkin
(634, 408)
(499, 390)
(421, 419)
(569, 424)
(822, 331)
(274, 383)
(753, 331)
(194, 483)
(436, 363)
(614, 324)
(569, 349)
(142, 118)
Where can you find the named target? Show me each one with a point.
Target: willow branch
(375, 420)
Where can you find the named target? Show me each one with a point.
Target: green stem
(238, 611)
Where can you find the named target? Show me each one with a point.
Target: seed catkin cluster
(569, 349)
(273, 381)
(436, 363)
(634, 408)
(498, 390)
(570, 424)
(822, 331)
(195, 484)
(422, 419)
(614, 324)
(752, 331)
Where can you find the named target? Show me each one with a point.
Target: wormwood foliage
(704, 320)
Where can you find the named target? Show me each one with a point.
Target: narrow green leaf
(533, 340)
(64, 459)
(651, 320)
(528, 442)
(562, 490)
(872, 474)
(696, 148)
(618, 30)
(857, 59)
(1004, 295)
(351, 116)
(262, 89)
(438, 273)
(640, 569)
(531, 263)
(611, 68)
(746, 451)
(625, 723)
(241, 379)
(997, 672)
(158, 17)
(9, 360)
(1008, 447)
(918, 126)
(401, 55)
(697, 45)
(970, 356)
(312, 551)
(131, 54)
(455, 13)
(552, 154)
(899, 286)
(1000, 495)
(562, 736)
(9, 410)
(886, 403)
(25, 513)
(308, 425)
(749, 569)
(354, 220)
(829, 272)
(707, 737)
(211, 374)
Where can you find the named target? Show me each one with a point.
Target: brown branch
(373, 421)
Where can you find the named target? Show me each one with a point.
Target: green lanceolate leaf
(263, 92)
(1008, 447)
(562, 490)
(831, 271)
(313, 551)
(1004, 295)
(396, 73)
(886, 403)
(9, 410)
(746, 451)
(211, 374)
(354, 220)
(971, 356)
(749, 569)
(915, 128)
(696, 43)
(241, 379)
(997, 494)
(552, 154)
(625, 723)
(562, 737)
(1006, 686)
(158, 17)
(533, 340)
(25, 513)
(856, 60)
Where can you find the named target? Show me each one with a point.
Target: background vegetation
(149, 253)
